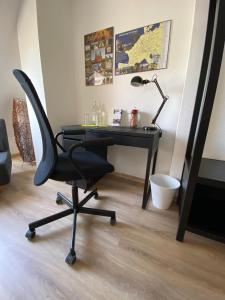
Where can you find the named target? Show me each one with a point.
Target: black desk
(122, 136)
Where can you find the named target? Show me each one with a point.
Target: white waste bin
(163, 190)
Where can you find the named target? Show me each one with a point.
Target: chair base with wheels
(75, 207)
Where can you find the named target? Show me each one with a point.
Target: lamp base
(150, 127)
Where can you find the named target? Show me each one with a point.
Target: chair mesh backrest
(49, 155)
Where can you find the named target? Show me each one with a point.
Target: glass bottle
(98, 114)
(103, 116)
(93, 114)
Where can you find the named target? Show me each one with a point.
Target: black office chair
(77, 167)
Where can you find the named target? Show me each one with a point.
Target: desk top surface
(116, 130)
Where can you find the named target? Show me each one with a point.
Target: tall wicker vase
(22, 132)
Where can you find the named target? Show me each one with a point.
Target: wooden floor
(138, 258)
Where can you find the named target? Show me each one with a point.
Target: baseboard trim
(127, 177)
(15, 155)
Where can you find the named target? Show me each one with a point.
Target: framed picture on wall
(142, 49)
(98, 50)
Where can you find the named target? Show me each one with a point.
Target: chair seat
(91, 165)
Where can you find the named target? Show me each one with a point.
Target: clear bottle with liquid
(94, 113)
(98, 114)
(103, 116)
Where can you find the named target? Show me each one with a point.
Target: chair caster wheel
(71, 258)
(96, 195)
(113, 221)
(30, 234)
(58, 200)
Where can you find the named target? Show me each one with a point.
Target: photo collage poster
(98, 48)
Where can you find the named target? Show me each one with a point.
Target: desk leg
(154, 162)
(147, 185)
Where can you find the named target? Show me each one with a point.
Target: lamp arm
(158, 112)
(165, 98)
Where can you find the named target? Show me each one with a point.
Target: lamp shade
(138, 81)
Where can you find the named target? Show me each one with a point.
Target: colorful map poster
(142, 49)
(98, 50)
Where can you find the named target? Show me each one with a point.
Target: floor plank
(138, 258)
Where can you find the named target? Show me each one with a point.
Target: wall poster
(98, 48)
(142, 49)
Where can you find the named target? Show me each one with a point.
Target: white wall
(47, 56)
(9, 60)
(90, 16)
(31, 63)
(55, 29)
(215, 141)
(191, 85)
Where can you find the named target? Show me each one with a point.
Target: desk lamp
(138, 81)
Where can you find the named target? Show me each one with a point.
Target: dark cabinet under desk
(207, 214)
